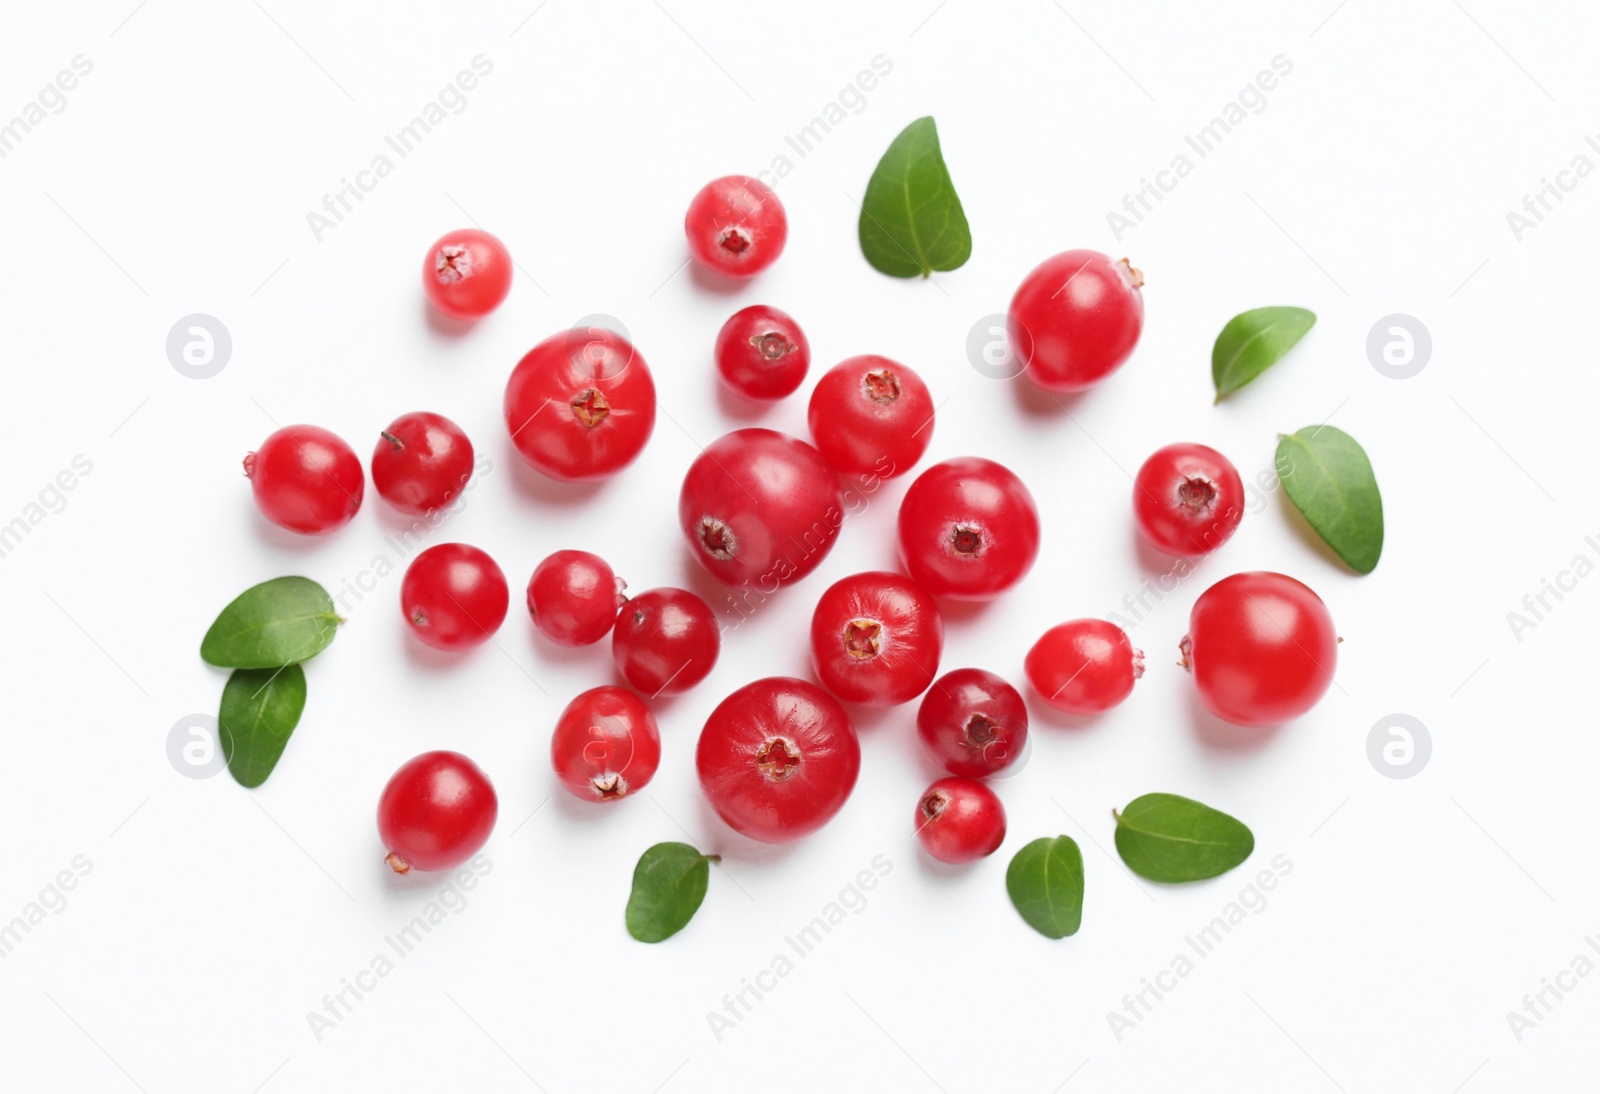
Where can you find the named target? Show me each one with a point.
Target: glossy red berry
(606, 744)
(876, 639)
(960, 820)
(762, 353)
(777, 759)
(467, 274)
(436, 812)
(454, 596)
(871, 416)
(1075, 319)
(305, 479)
(666, 641)
(421, 463)
(573, 597)
(1262, 648)
(968, 529)
(1084, 666)
(973, 723)
(1188, 499)
(760, 508)
(581, 404)
(736, 225)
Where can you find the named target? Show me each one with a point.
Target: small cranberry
(960, 820)
(606, 744)
(573, 597)
(973, 723)
(436, 812)
(305, 479)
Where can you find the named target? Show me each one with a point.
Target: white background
(1376, 181)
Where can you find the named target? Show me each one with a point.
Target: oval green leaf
(260, 708)
(911, 219)
(1329, 479)
(668, 885)
(1045, 881)
(279, 622)
(1252, 341)
(1163, 837)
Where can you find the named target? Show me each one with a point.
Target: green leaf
(1045, 881)
(1167, 838)
(1330, 481)
(668, 885)
(279, 622)
(911, 218)
(1252, 341)
(260, 708)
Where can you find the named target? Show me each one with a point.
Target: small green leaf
(1167, 838)
(1045, 881)
(279, 622)
(1329, 479)
(911, 219)
(1252, 341)
(260, 708)
(668, 885)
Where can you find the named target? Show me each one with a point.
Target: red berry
(960, 820)
(1075, 319)
(573, 597)
(305, 479)
(871, 415)
(876, 639)
(467, 274)
(1188, 499)
(1084, 666)
(422, 462)
(666, 641)
(606, 744)
(436, 812)
(973, 723)
(968, 529)
(736, 225)
(760, 508)
(581, 404)
(454, 596)
(762, 353)
(1262, 648)
(777, 759)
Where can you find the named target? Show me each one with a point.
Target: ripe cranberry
(1084, 666)
(666, 641)
(876, 639)
(454, 596)
(762, 353)
(736, 225)
(606, 744)
(305, 479)
(973, 722)
(760, 507)
(1261, 647)
(968, 529)
(960, 820)
(777, 759)
(467, 274)
(573, 597)
(421, 463)
(871, 415)
(1075, 319)
(1188, 499)
(435, 812)
(581, 404)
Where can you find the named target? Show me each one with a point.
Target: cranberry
(876, 639)
(1188, 499)
(454, 596)
(762, 353)
(666, 641)
(467, 274)
(1075, 319)
(1084, 666)
(736, 225)
(778, 758)
(973, 723)
(960, 820)
(305, 479)
(1262, 648)
(871, 416)
(573, 597)
(421, 463)
(581, 404)
(606, 744)
(968, 529)
(435, 812)
(760, 507)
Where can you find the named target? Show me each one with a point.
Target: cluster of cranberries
(779, 756)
